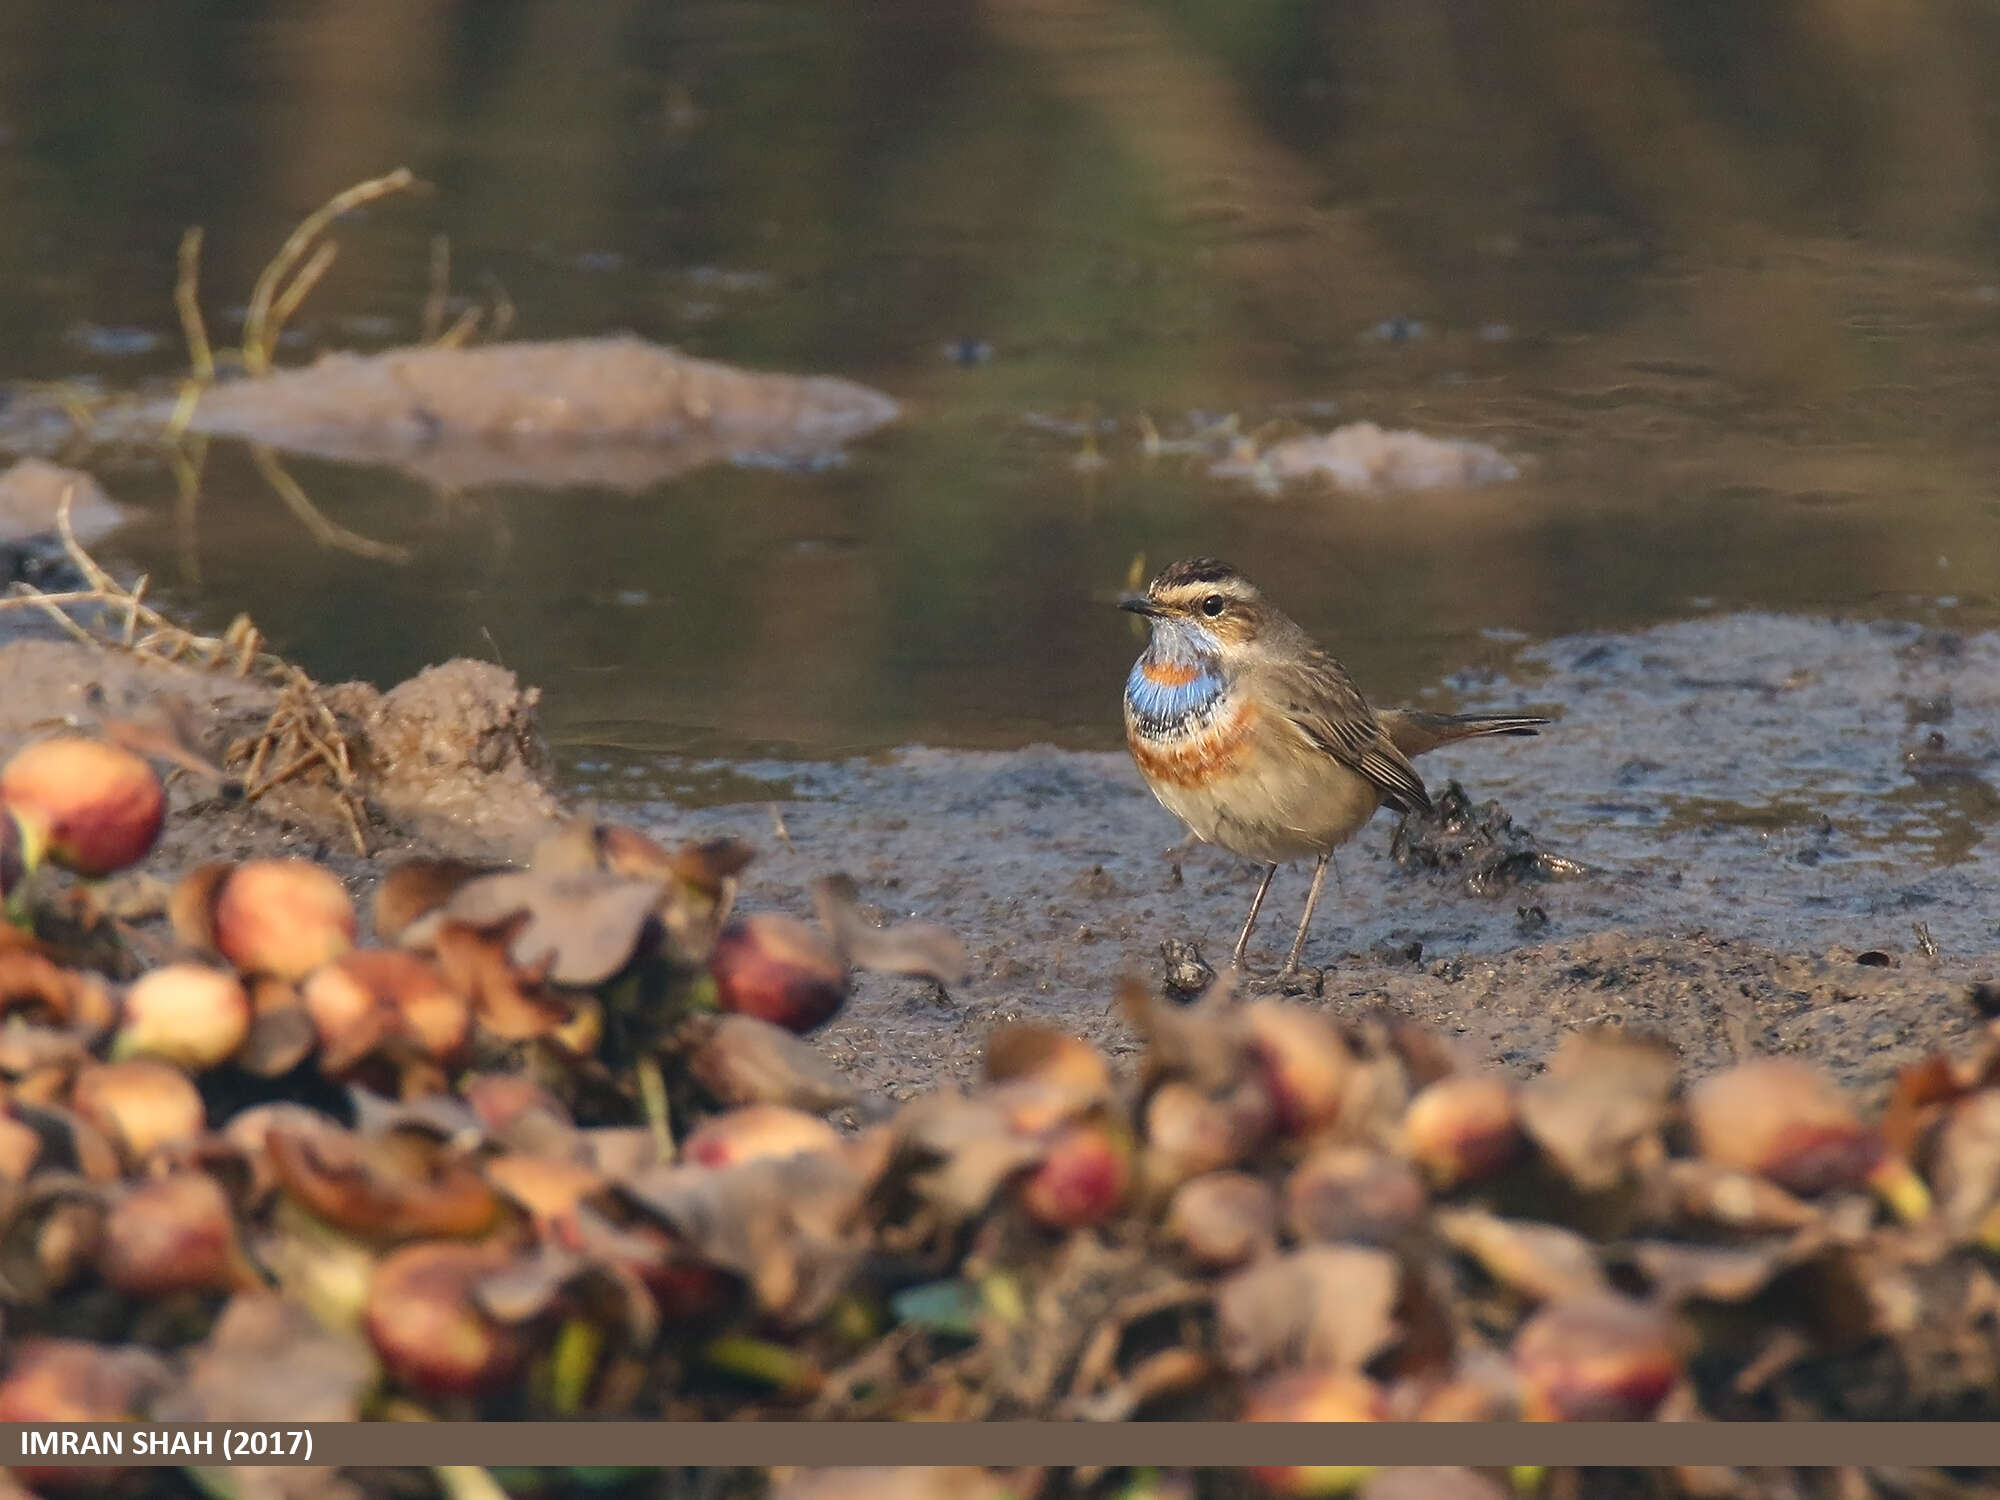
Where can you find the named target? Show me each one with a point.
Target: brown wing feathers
(1323, 702)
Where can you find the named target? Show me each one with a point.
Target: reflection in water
(1722, 279)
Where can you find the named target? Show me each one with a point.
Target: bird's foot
(1284, 982)
(1304, 982)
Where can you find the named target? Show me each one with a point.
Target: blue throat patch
(1161, 709)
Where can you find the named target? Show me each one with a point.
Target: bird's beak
(1139, 604)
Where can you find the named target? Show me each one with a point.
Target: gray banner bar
(1005, 1444)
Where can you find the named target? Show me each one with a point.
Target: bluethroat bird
(1258, 740)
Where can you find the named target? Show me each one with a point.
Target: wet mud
(1752, 834)
(1774, 858)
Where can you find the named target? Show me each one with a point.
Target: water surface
(1725, 284)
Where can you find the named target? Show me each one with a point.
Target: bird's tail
(1413, 732)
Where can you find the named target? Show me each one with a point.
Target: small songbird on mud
(1258, 740)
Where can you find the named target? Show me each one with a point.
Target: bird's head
(1203, 603)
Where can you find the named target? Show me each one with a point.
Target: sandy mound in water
(617, 413)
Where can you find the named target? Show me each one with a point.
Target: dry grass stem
(269, 305)
(187, 461)
(187, 301)
(301, 287)
(302, 733)
(461, 331)
(503, 307)
(326, 532)
(439, 288)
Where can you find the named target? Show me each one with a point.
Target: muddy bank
(451, 760)
(1783, 825)
(1772, 838)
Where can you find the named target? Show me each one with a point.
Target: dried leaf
(1966, 1166)
(280, 1039)
(441, 1117)
(191, 905)
(36, 989)
(1223, 1219)
(478, 967)
(954, 1152)
(744, 1060)
(548, 1278)
(1542, 1262)
(1024, 1049)
(1720, 1195)
(923, 950)
(1327, 1306)
(1603, 1094)
(1202, 1043)
(1354, 1194)
(387, 1187)
(549, 1191)
(415, 888)
(789, 1226)
(71, 1380)
(1711, 1273)
(269, 1360)
(578, 928)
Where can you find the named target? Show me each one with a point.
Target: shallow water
(1728, 288)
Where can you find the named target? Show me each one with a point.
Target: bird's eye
(1214, 605)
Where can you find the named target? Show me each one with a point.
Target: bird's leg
(1256, 905)
(1305, 922)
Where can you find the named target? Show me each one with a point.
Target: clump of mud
(442, 749)
(1366, 459)
(614, 413)
(452, 760)
(1477, 847)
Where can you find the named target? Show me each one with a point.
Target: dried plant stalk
(302, 733)
(268, 306)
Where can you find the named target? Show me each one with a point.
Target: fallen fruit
(90, 807)
(757, 1132)
(143, 1105)
(187, 1014)
(1596, 1359)
(1083, 1179)
(425, 1323)
(777, 969)
(284, 917)
(1314, 1396)
(174, 1234)
(1463, 1128)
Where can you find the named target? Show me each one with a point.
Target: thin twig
(301, 288)
(260, 334)
(132, 604)
(326, 532)
(187, 465)
(503, 307)
(201, 356)
(163, 637)
(440, 287)
(462, 330)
